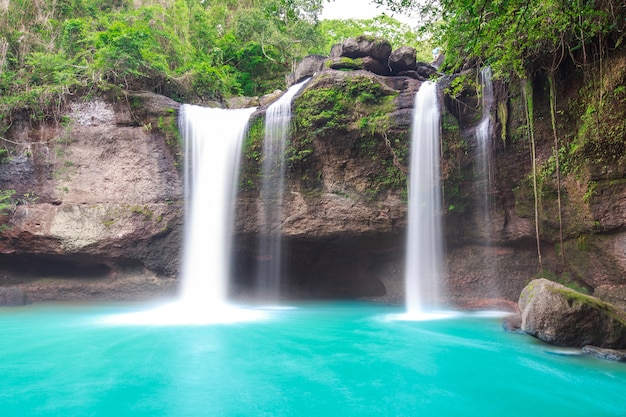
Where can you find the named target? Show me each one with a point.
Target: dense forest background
(211, 49)
(186, 49)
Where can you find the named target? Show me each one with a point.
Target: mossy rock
(564, 317)
(345, 64)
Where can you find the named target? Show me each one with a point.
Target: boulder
(241, 102)
(426, 70)
(564, 317)
(13, 297)
(411, 74)
(269, 98)
(372, 65)
(402, 59)
(377, 48)
(336, 50)
(308, 67)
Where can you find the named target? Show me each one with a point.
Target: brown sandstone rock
(103, 191)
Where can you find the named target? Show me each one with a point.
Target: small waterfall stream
(483, 179)
(484, 171)
(213, 140)
(424, 264)
(277, 123)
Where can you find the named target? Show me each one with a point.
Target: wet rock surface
(606, 354)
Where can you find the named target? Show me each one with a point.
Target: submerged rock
(13, 297)
(513, 323)
(564, 317)
(606, 354)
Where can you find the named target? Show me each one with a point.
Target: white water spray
(277, 123)
(213, 140)
(424, 265)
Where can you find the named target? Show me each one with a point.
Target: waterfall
(213, 141)
(424, 238)
(484, 150)
(277, 123)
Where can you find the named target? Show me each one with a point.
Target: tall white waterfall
(277, 124)
(213, 141)
(484, 171)
(424, 257)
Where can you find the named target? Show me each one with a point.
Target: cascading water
(483, 176)
(277, 123)
(484, 150)
(424, 265)
(213, 140)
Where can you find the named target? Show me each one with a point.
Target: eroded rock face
(343, 220)
(561, 316)
(100, 198)
(103, 190)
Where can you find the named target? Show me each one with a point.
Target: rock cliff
(98, 206)
(98, 210)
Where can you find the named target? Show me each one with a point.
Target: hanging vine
(527, 92)
(552, 87)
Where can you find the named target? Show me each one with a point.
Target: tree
(517, 36)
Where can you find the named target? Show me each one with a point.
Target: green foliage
(186, 49)
(252, 151)
(517, 36)
(359, 100)
(144, 210)
(456, 167)
(354, 109)
(6, 204)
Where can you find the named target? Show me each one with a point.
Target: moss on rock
(564, 317)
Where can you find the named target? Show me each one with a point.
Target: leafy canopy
(186, 49)
(517, 36)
